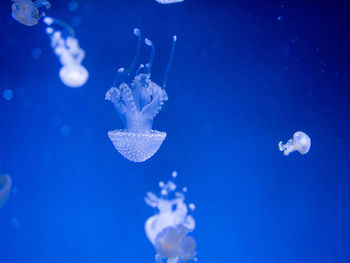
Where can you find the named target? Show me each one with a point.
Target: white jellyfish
(26, 11)
(67, 49)
(5, 187)
(301, 142)
(137, 105)
(169, 1)
(168, 229)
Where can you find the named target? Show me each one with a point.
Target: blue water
(246, 75)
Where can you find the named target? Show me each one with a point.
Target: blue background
(246, 75)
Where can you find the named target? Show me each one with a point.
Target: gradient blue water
(247, 74)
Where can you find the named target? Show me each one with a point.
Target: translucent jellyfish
(26, 11)
(169, 1)
(5, 187)
(301, 142)
(168, 229)
(137, 105)
(67, 49)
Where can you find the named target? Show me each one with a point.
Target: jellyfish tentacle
(40, 3)
(167, 71)
(54, 21)
(118, 78)
(42, 14)
(158, 97)
(137, 33)
(121, 75)
(139, 69)
(151, 58)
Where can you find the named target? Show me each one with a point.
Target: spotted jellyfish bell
(5, 187)
(168, 229)
(301, 142)
(169, 1)
(26, 11)
(67, 49)
(137, 105)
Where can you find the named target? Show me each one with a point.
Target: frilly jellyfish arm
(123, 102)
(287, 148)
(128, 100)
(158, 97)
(113, 95)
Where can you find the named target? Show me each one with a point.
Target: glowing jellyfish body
(5, 187)
(26, 11)
(169, 1)
(168, 229)
(301, 142)
(137, 105)
(67, 49)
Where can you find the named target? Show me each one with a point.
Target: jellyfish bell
(26, 11)
(5, 187)
(301, 142)
(137, 104)
(169, 1)
(74, 76)
(137, 147)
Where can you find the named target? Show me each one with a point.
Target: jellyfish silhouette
(67, 49)
(169, 1)
(137, 105)
(26, 11)
(301, 142)
(168, 229)
(5, 187)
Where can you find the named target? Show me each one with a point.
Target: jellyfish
(169, 1)
(137, 104)
(26, 11)
(68, 51)
(168, 229)
(301, 142)
(5, 187)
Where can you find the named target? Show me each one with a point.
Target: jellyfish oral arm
(287, 148)
(153, 107)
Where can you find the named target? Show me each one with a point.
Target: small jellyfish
(67, 49)
(26, 11)
(137, 105)
(301, 142)
(168, 229)
(169, 1)
(5, 187)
